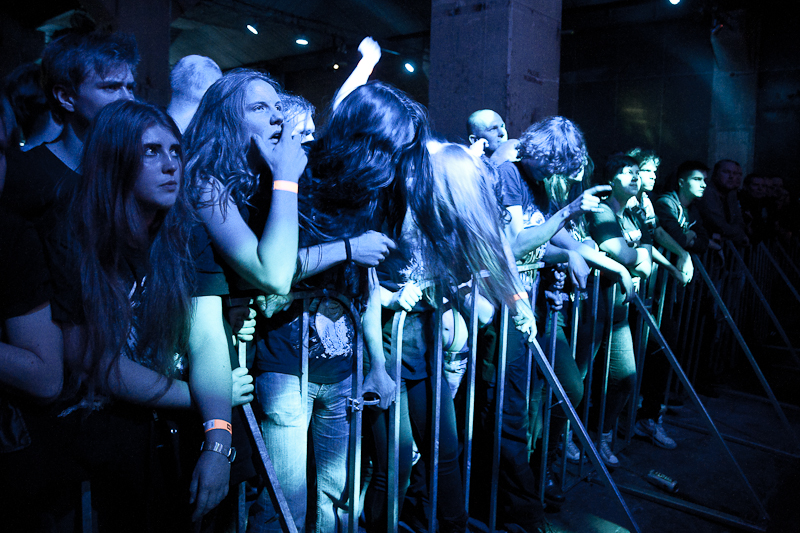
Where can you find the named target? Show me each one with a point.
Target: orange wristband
(521, 296)
(283, 185)
(217, 424)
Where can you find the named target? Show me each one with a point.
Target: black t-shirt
(24, 278)
(210, 276)
(36, 182)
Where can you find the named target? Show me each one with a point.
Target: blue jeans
(286, 433)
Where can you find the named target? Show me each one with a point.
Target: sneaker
(655, 431)
(573, 453)
(604, 449)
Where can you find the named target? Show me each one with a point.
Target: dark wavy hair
(359, 165)
(109, 235)
(557, 150)
(215, 142)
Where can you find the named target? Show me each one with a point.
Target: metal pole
(392, 478)
(436, 414)
(746, 349)
(607, 366)
(693, 394)
(771, 259)
(547, 404)
(590, 368)
(274, 487)
(498, 423)
(569, 409)
(469, 423)
(695, 509)
(575, 300)
(786, 256)
(761, 297)
(355, 424)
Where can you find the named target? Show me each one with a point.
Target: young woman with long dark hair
(125, 277)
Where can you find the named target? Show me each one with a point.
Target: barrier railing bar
(469, 423)
(693, 395)
(569, 409)
(355, 426)
(695, 509)
(436, 414)
(749, 355)
(641, 353)
(498, 424)
(788, 258)
(590, 368)
(607, 364)
(780, 270)
(737, 440)
(274, 487)
(547, 403)
(761, 297)
(575, 301)
(392, 477)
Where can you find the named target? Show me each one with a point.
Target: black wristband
(348, 250)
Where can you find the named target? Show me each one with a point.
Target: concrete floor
(705, 474)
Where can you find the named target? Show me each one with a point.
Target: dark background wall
(649, 81)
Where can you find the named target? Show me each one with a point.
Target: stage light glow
(674, 2)
(409, 67)
(252, 29)
(336, 66)
(302, 41)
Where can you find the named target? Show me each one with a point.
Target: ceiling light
(336, 66)
(409, 67)
(252, 29)
(674, 2)
(302, 41)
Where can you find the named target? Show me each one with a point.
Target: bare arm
(370, 55)
(597, 259)
(210, 385)
(268, 262)
(368, 249)
(131, 381)
(524, 240)
(32, 361)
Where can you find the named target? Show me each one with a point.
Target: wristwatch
(228, 452)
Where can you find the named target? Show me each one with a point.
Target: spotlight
(252, 29)
(409, 67)
(302, 41)
(674, 2)
(336, 66)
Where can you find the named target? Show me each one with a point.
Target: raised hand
(370, 51)
(286, 158)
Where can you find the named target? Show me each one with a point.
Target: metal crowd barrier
(535, 353)
(666, 295)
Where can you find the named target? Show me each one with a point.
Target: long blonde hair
(465, 216)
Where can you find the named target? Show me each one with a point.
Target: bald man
(488, 125)
(190, 79)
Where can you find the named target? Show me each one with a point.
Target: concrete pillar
(734, 93)
(149, 22)
(496, 54)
